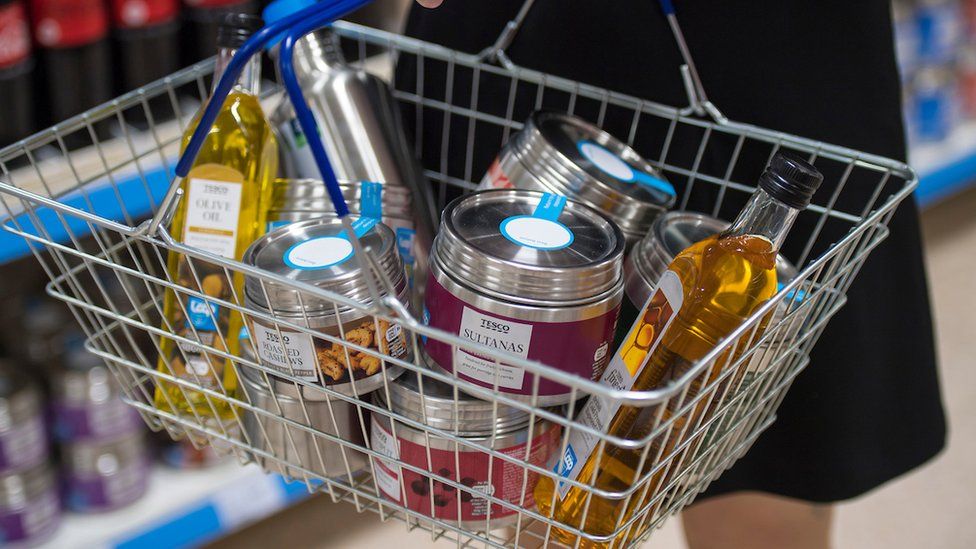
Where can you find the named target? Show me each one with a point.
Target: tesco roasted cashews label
(291, 353)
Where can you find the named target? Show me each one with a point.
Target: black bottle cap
(236, 28)
(790, 180)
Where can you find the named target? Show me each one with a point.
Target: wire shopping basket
(93, 214)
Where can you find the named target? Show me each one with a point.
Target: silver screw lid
(436, 408)
(20, 398)
(579, 160)
(310, 195)
(316, 252)
(19, 488)
(484, 245)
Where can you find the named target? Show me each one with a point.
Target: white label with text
(505, 335)
(386, 474)
(213, 209)
(295, 357)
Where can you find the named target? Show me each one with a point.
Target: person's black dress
(867, 408)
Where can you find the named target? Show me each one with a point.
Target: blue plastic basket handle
(305, 21)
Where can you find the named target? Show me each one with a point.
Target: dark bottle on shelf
(16, 73)
(200, 21)
(72, 36)
(146, 37)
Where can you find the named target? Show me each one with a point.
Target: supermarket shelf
(947, 167)
(183, 509)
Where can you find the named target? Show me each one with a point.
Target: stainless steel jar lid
(579, 160)
(84, 379)
(480, 253)
(310, 195)
(316, 252)
(103, 458)
(436, 408)
(20, 399)
(17, 489)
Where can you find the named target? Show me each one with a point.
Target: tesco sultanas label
(213, 209)
(505, 335)
(68, 23)
(15, 44)
(133, 14)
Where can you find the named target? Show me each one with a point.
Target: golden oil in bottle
(222, 210)
(708, 291)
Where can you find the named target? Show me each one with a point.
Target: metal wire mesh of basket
(79, 194)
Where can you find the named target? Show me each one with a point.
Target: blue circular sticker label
(536, 232)
(318, 253)
(614, 166)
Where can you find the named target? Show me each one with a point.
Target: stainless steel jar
(479, 424)
(316, 454)
(316, 252)
(30, 509)
(527, 273)
(23, 438)
(100, 476)
(86, 400)
(563, 154)
(301, 199)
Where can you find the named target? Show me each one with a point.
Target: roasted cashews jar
(318, 252)
(564, 154)
(529, 274)
(482, 425)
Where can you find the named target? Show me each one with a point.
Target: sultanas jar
(102, 476)
(30, 510)
(527, 273)
(564, 154)
(505, 430)
(301, 199)
(317, 252)
(86, 401)
(23, 438)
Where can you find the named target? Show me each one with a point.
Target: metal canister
(86, 401)
(564, 154)
(530, 274)
(317, 252)
(101, 476)
(30, 509)
(670, 235)
(313, 452)
(476, 423)
(301, 199)
(23, 438)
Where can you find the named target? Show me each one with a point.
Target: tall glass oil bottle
(222, 210)
(708, 291)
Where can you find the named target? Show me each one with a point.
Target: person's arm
(429, 3)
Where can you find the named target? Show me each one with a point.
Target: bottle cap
(278, 10)
(790, 180)
(236, 28)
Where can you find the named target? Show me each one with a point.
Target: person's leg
(752, 520)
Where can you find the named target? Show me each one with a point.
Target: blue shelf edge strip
(132, 193)
(946, 181)
(202, 522)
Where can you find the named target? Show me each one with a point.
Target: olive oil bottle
(222, 210)
(708, 291)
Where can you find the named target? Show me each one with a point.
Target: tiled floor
(932, 508)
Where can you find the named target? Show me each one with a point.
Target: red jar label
(580, 347)
(470, 469)
(15, 43)
(132, 14)
(68, 23)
